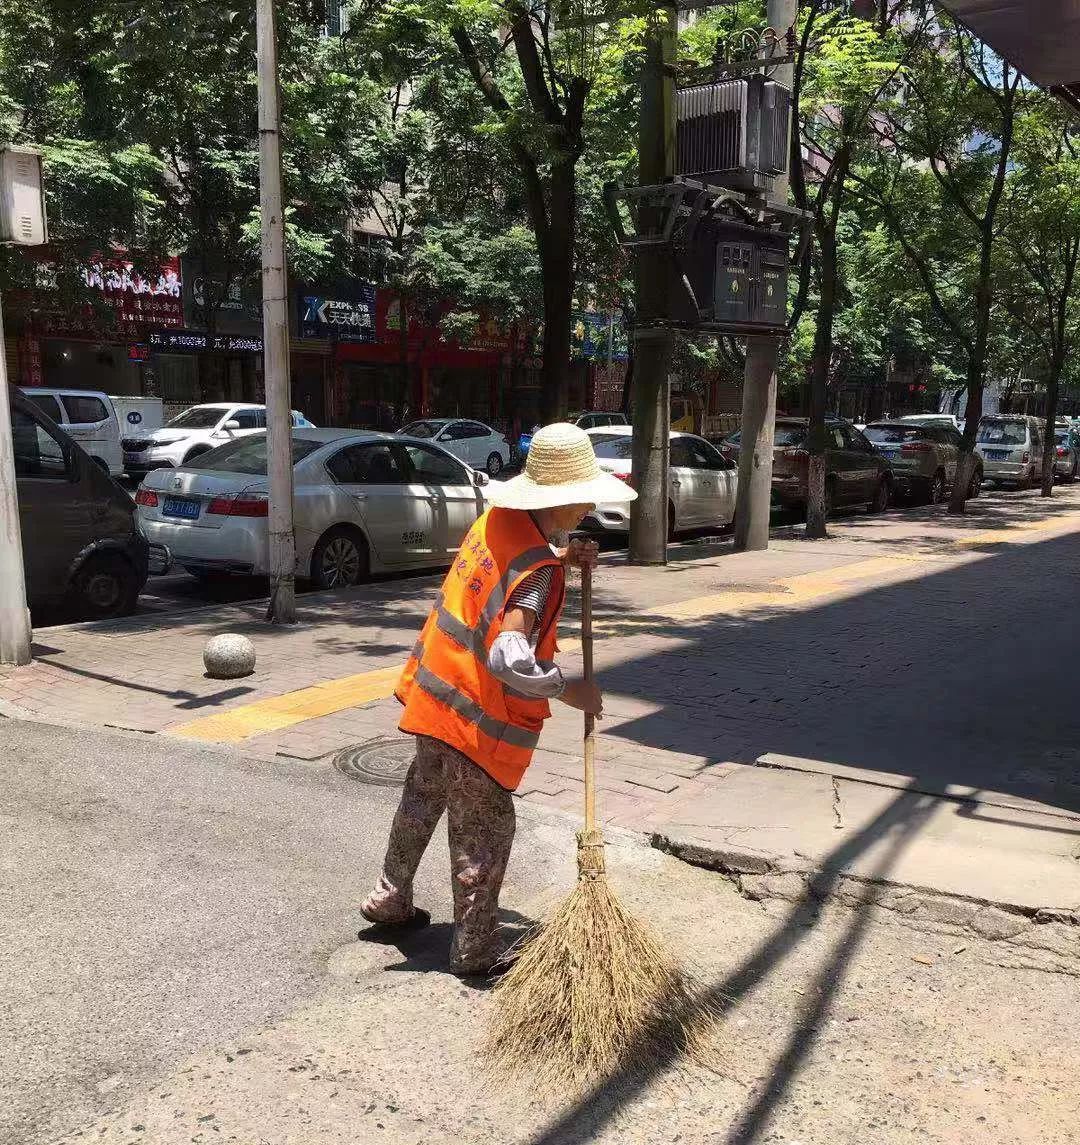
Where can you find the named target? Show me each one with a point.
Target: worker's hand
(584, 696)
(580, 553)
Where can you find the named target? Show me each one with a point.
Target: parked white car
(476, 444)
(197, 430)
(702, 482)
(87, 416)
(364, 502)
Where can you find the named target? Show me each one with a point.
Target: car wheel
(494, 465)
(1071, 476)
(340, 558)
(830, 496)
(975, 484)
(104, 587)
(881, 498)
(671, 529)
(935, 492)
(198, 451)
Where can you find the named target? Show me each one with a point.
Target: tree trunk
(628, 380)
(557, 268)
(821, 356)
(1049, 443)
(965, 465)
(403, 362)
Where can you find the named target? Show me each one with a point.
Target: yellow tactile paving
(247, 720)
(277, 712)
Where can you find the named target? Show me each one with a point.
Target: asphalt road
(180, 966)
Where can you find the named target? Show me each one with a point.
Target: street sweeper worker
(477, 684)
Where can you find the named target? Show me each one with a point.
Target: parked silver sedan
(1066, 452)
(364, 502)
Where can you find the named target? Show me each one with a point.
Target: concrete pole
(652, 343)
(759, 377)
(14, 616)
(275, 327)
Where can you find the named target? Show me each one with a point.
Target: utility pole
(762, 356)
(15, 633)
(282, 555)
(23, 222)
(652, 338)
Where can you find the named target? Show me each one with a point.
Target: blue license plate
(997, 454)
(182, 507)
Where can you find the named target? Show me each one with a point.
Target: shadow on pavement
(899, 822)
(946, 679)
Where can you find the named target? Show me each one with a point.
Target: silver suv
(1011, 448)
(923, 455)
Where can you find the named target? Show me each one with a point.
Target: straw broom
(591, 989)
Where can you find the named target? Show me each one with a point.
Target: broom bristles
(592, 990)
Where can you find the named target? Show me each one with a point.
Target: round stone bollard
(229, 656)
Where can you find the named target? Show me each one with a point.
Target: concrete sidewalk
(879, 709)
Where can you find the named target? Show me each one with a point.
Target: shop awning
(1040, 38)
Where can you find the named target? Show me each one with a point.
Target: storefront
(99, 343)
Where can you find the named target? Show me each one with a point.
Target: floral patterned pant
(480, 818)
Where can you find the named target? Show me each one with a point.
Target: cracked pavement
(182, 967)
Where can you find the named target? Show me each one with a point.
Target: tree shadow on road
(898, 823)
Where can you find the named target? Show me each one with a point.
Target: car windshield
(422, 428)
(892, 434)
(1002, 433)
(198, 417)
(612, 447)
(789, 434)
(248, 455)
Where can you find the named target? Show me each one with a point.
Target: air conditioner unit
(22, 198)
(733, 133)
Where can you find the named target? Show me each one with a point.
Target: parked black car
(82, 549)
(855, 473)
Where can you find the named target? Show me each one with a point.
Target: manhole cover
(383, 761)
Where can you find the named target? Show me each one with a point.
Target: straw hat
(560, 469)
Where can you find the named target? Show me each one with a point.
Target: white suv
(197, 430)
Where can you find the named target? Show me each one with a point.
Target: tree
(539, 110)
(843, 67)
(938, 180)
(1042, 249)
(148, 120)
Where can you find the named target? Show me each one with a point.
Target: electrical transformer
(733, 133)
(730, 278)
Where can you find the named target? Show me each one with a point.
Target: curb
(761, 877)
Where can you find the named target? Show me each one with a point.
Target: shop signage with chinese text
(343, 319)
(198, 342)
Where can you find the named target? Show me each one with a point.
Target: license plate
(997, 454)
(132, 456)
(182, 507)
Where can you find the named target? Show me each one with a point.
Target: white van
(138, 414)
(89, 418)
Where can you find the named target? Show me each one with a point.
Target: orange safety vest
(447, 689)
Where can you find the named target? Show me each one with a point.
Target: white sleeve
(512, 662)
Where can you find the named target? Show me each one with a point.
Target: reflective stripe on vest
(439, 689)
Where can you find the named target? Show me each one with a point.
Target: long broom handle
(590, 720)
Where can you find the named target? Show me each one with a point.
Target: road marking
(277, 712)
